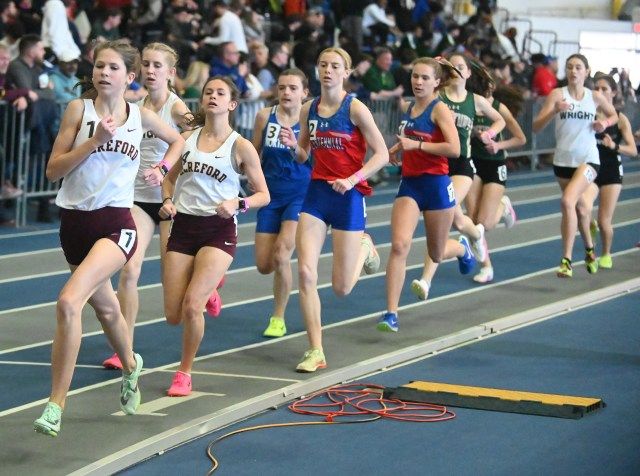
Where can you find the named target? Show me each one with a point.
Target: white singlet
(152, 151)
(575, 137)
(106, 177)
(206, 178)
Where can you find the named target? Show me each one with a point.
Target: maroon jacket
(11, 95)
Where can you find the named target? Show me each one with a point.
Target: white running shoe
(484, 276)
(372, 261)
(508, 215)
(479, 246)
(420, 288)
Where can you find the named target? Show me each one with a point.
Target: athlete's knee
(192, 308)
(130, 274)
(341, 288)
(584, 210)
(108, 314)
(307, 276)
(458, 221)
(436, 255)
(67, 307)
(172, 314)
(568, 202)
(604, 223)
(265, 266)
(282, 255)
(400, 247)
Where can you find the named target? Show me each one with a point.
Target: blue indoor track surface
(591, 352)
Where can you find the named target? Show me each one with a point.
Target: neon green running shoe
(276, 327)
(313, 360)
(564, 271)
(605, 262)
(129, 391)
(591, 262)
(49, 422)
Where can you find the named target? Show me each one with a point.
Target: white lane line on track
(392, 191)
(163, 368)
(324, 255)
(244, 225)
(327, 285)
(46, 364)
(237, 270)
(250, 243)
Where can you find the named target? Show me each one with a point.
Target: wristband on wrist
(351, 182)
(168, 198)
(617, 147)
(359, 175)
(243, 205)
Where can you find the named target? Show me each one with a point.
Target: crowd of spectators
(252, 41)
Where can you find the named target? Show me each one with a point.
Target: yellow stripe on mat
(466, 391)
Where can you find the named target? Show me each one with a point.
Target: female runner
(464, 105)
(486, 202)
(158, 70)
(202, 197)
(576, 161)
(613, 141)
(287, 180)
(427, 137)
(337, 129)
(97, 152)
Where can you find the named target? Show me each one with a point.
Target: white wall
(566, 8)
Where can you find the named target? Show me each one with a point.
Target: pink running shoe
(113, 363)
(214, 304)
(180, 386)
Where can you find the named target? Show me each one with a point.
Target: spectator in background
(150, 20)
(253, 24)
(225, 63)
(55, 29)
(8, 15)
(377, 25)
(544, 76)
(247, 109)
(18, 97)
(85, 65)
(259, 56)
(624, 86)
(278, 62)
(310, 41)
(521, 77)
(11, 39)
(107, 25)
(349, 14)
(26, 72)
(379, 79)
(64, 79)
(402, 74)
(30, 17)
(181, 29)
(502, 72)
(229, 27)
(194, 81)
